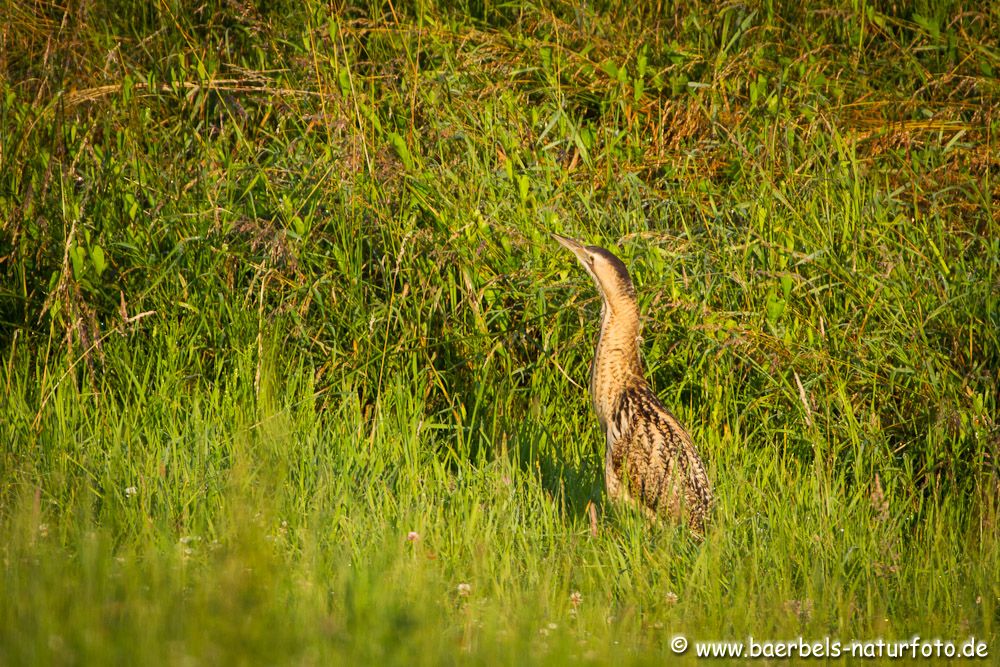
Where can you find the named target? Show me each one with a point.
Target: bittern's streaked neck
(616, 362)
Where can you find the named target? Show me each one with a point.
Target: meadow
(294, 373)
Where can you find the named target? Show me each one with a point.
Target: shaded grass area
(276, 290)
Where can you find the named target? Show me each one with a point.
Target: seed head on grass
(575, 599)
(879, 502)
(802, 609)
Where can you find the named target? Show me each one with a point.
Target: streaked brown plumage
(650, 458)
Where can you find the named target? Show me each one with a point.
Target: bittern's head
(608, 272)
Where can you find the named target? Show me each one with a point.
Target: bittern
(650, 459)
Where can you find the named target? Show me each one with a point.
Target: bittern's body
(650, 458)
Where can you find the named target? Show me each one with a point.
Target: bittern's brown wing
(656, 458)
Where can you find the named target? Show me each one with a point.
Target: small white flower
(130, 491)
(575, 598)
(464, 589)
(413, 536)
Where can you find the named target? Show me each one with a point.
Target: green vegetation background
(277, 289)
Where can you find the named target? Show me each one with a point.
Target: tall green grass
(293, 372)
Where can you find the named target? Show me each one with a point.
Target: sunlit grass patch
(293, 372)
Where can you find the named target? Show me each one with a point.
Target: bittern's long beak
(569, 243)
